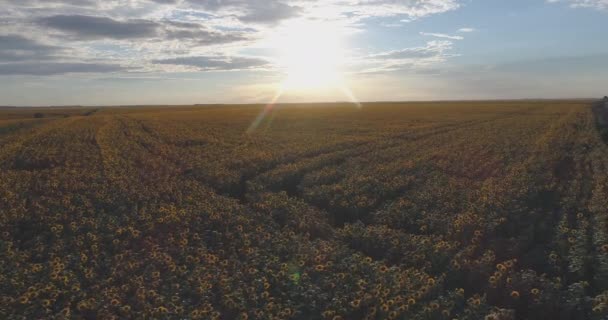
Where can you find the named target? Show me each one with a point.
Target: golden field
(443, 210)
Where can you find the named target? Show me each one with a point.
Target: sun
(311, 55)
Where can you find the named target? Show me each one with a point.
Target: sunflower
(83, 305)
(65, 312)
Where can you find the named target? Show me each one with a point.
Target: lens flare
(267, 109)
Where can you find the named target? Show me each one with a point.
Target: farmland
(466, 210)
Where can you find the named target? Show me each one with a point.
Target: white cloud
(466, 30)
(594, 4)
(423, 58)
(411, 8)
(442, 35)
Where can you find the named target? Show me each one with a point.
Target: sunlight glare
(311, 55)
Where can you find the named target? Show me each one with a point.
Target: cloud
(273, 11)
(200, 35)
(23, 56)
(247, 11)
(441, 35)
(18, 48)
(593, 4)
(415, 58)
(466, 30)
(82, 27)
(56, 68)
(75, 36)
(432, 49)
(215, 63)
(91, 27)
(270, 12)
(84, 3)
(411, 8)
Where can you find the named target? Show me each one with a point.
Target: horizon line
(290, 103)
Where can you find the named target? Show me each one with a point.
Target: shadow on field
(600, 110)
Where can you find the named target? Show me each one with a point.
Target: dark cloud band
(90, 27)
(55, 68)
(216, 63)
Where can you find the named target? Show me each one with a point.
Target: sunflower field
(437, 210)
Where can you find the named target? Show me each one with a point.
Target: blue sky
(92, 52)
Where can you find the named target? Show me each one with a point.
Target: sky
(108, 52)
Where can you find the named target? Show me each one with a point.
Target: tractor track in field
(14, 146)
(125, 125)
(395, 141)
(325, 157)
(291, 186)
(239, 192)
